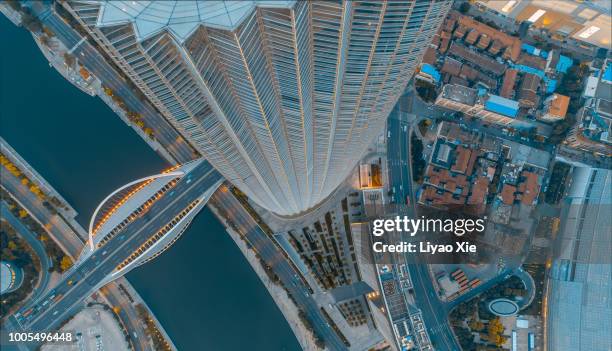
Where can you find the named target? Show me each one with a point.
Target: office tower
(282, 97)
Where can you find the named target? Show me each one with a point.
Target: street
(434, 313)
(279, 264)
(97, 64)
(27, 235)
(60, 232)
(61, 301)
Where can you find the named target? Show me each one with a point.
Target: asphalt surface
(39, 249)
(66, 238)
(97, 64)
(398, 157)
(272, 255)
(71, 244)
(127, 314)
(434, 312)
(59, 303)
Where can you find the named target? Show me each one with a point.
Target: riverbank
(85, 151)
(59, 222)
(278, 294)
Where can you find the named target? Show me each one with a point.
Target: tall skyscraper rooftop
(282, 97)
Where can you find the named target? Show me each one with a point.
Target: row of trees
(25, 181)
(418, 162)
(28, 20)
(572, 85)
(61, 262)
(426, 91)
(473, 318)
(556, 185)
(132, 116)
(159, 342)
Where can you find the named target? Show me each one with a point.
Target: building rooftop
(480, 189)
(557, 105)
(477, 59)
(528, 94)
(585, 21)
(451, 66)
(181, 18)
(430, 70)
(532, 61)
(528, 188)
(507, 194)
(579, 309)
(459, 93)
(502, 106)
(430, 55)
(507, 89)
(462, 159)
(511, 43)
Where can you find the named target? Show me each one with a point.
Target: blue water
(202, 289)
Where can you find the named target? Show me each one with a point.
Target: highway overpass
(131, 226)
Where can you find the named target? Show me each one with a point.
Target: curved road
(27, 235)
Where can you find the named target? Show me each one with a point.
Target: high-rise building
(282, 97)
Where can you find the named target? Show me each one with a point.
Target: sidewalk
(278, 294)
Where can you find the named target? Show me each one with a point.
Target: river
(202, 289)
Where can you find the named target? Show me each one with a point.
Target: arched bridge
(131, 226)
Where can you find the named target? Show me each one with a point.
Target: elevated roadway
(86, 277)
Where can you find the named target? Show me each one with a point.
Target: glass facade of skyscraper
(282, 97)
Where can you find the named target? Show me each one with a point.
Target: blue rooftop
(551, 85)
(502, 106)
(564, 64)
(532, 50)
(431, 70)
(608, 72)
(527, 69)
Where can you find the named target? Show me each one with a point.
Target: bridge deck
(52, 308)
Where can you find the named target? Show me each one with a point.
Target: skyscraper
(282, 97)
